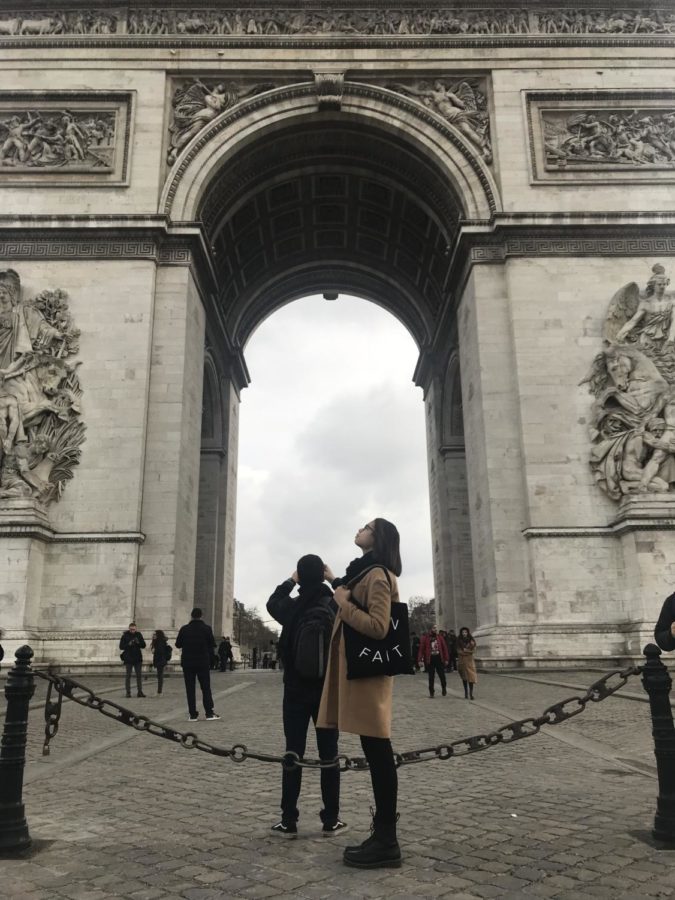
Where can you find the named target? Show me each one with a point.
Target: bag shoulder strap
(355, 581)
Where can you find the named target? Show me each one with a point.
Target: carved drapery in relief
(40, 427)
(633, 381)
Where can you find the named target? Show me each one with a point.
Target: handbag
(368, 657)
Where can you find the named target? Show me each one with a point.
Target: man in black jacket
(197, 645)
(311, 616)
(664, 633)
(131, 644)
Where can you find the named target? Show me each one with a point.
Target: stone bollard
(657, 682)
(19, 688)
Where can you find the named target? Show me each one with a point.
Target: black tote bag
(368, 657)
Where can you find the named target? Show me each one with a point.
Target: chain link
(513, 731)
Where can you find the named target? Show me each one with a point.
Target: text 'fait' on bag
(368, 657)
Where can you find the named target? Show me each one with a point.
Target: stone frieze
(606, 136)
(41, 430)
(633, 382)
(62, 136)
(447, 21)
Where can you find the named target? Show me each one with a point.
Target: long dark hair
(386, 546)
(158, 639)
(464, 641)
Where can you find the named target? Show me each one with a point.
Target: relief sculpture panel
(41, 431)
(61, 137)
(602, 136)
(462, 103)
(633, 381)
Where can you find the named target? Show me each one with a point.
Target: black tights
(468, 688)
(383, 776)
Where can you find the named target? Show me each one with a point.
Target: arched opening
(331, 431)
(366, 201)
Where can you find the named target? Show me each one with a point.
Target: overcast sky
(331, 436)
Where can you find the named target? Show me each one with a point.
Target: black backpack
(310, 640)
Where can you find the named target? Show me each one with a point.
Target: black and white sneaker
(193, 718)
(334, 828)
(212, 717)
(286, 829)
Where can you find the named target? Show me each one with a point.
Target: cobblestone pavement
(566, 814)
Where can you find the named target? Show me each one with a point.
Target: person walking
(364, 706)
(131, 645)
(415, 650)
(307, 624)
(225, 654)
(197, 645)
(161, 654)
(452, 651)
(434, 652)
(466, 664)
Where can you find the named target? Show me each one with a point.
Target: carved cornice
(540, 235)
(113, 238)
(49, 536)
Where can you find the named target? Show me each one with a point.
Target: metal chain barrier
(507, 734)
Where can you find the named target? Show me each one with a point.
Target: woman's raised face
(365, 537)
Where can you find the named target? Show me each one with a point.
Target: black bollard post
(19, 688)
(657, 682)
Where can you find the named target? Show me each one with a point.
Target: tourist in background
(197, 645)
(363, 706)
(466, 664)
(307, 624)
(415, 650)
(161, 654)
(225, 654)
(434, 653)
(2, 652)
(451, 641)
(131, 645)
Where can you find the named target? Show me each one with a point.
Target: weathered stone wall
(558, 570)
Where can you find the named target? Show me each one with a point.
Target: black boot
(379, 851)
(466, 690)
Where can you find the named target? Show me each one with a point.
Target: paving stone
(581, 831)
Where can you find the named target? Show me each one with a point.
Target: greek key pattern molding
(265, 24)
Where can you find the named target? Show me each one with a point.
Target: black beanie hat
(310, 570)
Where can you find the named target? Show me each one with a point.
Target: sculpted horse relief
(633, 380)
(40, 429)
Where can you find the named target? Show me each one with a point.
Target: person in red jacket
(433, 653)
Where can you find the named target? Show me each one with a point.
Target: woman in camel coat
(363, 706)
(466, 664)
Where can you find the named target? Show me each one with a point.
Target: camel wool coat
(363, 705)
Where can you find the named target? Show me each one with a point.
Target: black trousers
(160, 678)
(383, 776)
(190, 674)
(298, 710)
(435, 665)
(136, 667)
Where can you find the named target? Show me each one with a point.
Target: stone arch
(244, 123)
(295, 200)
(427, 177)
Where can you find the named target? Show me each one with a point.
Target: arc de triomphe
(499, 176)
